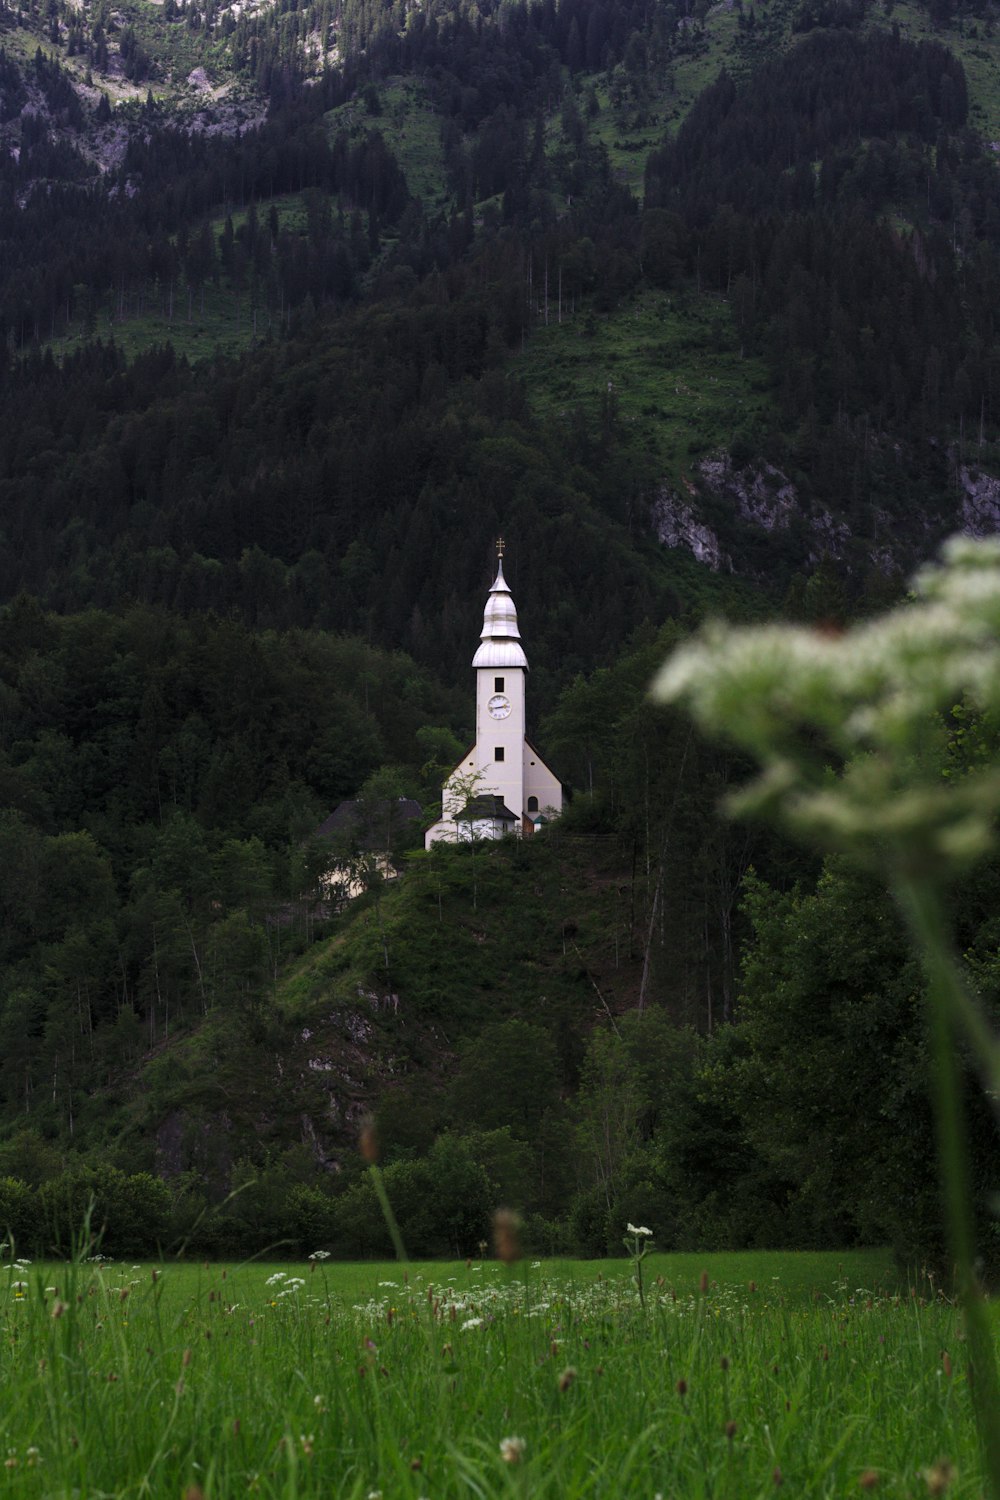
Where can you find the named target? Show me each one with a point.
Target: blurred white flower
(867, 704)
(512, 1449)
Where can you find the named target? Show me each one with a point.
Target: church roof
(500, 639)
(487, 805)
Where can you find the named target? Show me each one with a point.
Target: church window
(498, 684)
(532, 804)
(498, 753)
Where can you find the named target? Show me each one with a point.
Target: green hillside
(671, 369)
(700, 312)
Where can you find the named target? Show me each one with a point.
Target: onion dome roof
(500, 639)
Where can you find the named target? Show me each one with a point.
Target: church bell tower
(501, 785)
(501, 673)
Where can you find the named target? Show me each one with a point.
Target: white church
(501, 785)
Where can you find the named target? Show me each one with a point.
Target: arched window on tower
(532, 804)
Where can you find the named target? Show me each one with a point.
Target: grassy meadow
(736, 1376)
(672, 366)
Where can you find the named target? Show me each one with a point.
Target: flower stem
(947, 1004)
(387, 1213)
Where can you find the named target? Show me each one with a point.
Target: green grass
(173, 47)
(213, 326)
(351, 1381)
(673, 368)
(411, 129)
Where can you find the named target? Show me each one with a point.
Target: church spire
(500, 636)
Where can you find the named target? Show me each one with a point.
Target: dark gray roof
(367, 823)
(487, 806)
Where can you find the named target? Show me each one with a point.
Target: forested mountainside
(836, 255)
(303, 305)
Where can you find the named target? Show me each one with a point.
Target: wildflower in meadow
(864, 701)
(512, 1449)
(940, 1477)
(637, 1242)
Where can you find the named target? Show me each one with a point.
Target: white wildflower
(803, 702)
(512, 1449)
(639, 1229)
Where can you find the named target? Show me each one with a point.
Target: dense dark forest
(880, 345)
(237, 589)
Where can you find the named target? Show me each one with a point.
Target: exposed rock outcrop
(762, 496)
(676, 525)
(980, 502)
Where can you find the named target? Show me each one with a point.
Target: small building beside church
(501, 785)
(360, 837)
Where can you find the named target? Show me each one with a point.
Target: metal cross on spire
(500, 546)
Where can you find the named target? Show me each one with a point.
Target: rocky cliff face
(676, 525)
(47, 88)
(980, 514)
(721, 501)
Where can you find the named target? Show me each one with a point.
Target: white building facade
(501, 785)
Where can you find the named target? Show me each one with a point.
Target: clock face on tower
(498, 706)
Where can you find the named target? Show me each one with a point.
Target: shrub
(123, 1215)
(17, 1211)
